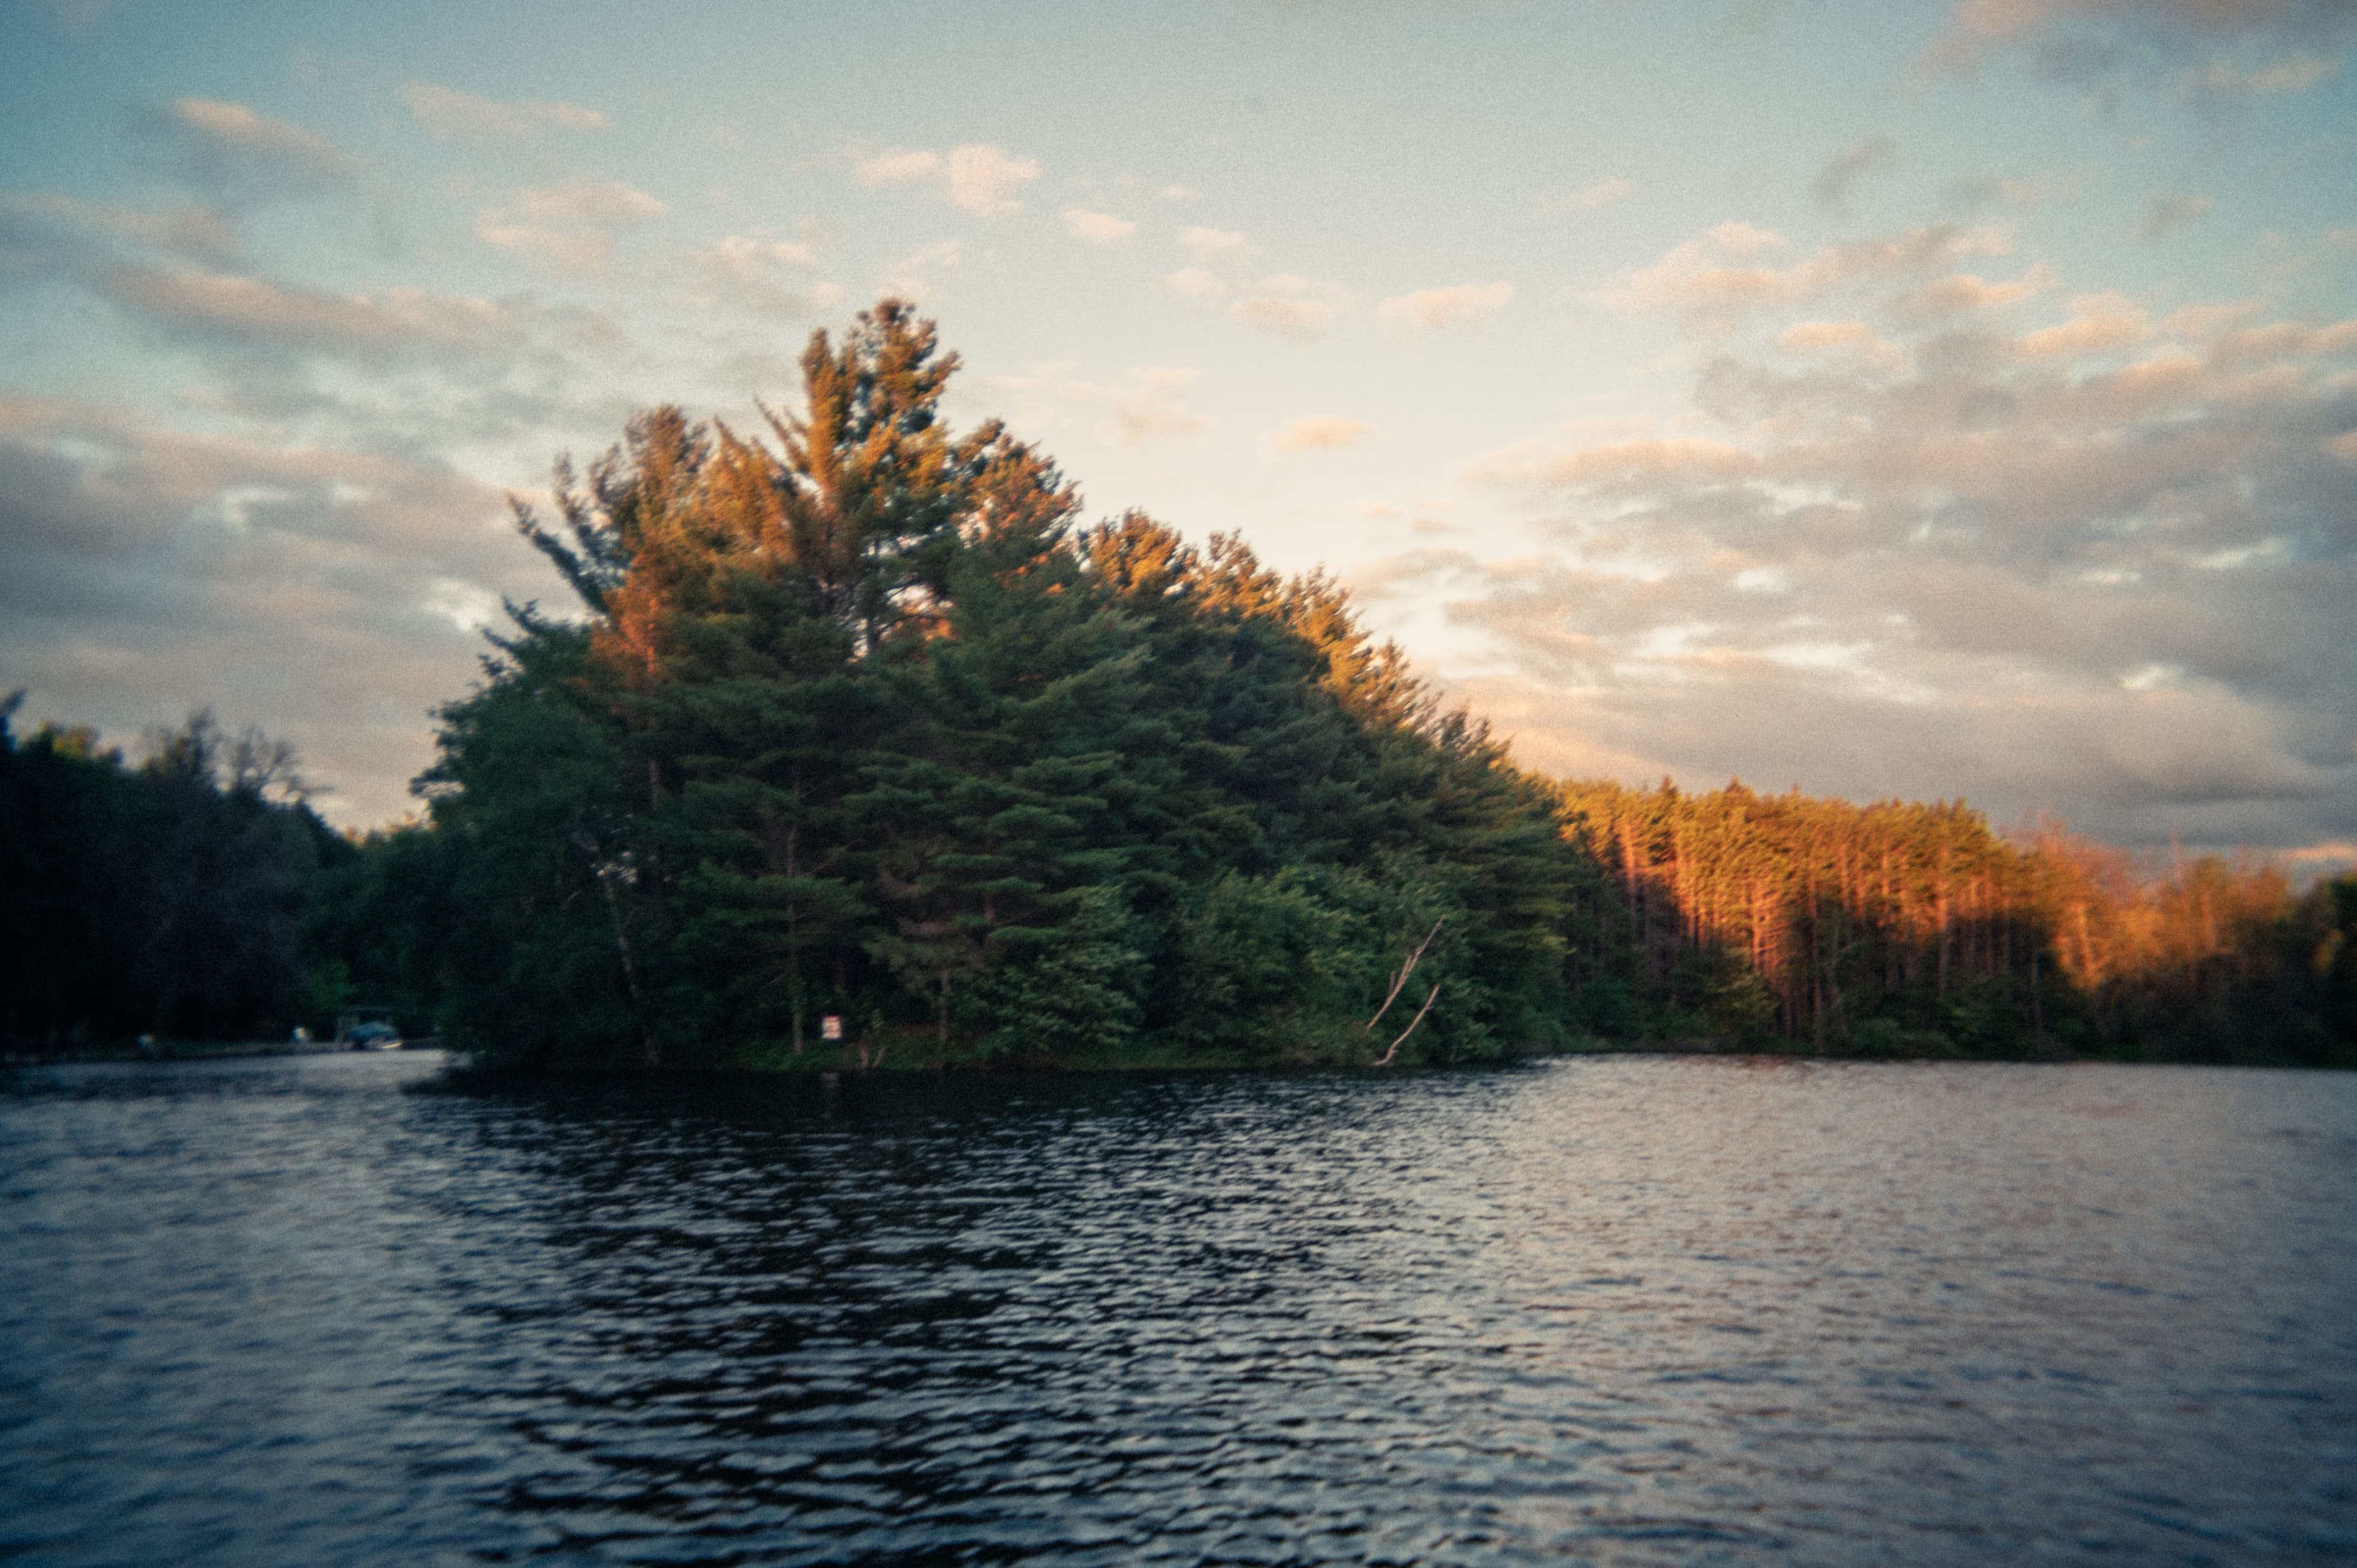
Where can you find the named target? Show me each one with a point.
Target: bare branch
(1420, 1012)
(1406, 969)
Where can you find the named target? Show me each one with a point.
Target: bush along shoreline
(853, 726)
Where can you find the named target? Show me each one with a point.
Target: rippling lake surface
(1627, 1310)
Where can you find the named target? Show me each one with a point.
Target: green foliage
(860, 722)
(166, 898)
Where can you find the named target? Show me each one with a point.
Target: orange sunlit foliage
(1901, 925)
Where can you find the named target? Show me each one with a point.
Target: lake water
(1625, 1310)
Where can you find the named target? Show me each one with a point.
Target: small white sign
(830, 1027)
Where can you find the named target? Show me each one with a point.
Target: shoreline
(463, 1066)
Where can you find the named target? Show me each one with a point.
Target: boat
(367, 1029)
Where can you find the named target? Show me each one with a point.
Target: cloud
(1980, 192)
(1730, 271)
(1462, 304)
(743, 273)
(746, 257)
(395, 364)
(1151, 406)
(2095, 564)
(317, 590)
(1148, 403)
(1180, 193)
(1208, 242)
(1817, 336)
(1855, 339)
(2074, 40)
(446, 111)
(1192, 282)
(898, 167)
(1318, 433)
(982, 179)
(1306, 319)
(2293, 73)
(570, 227)
(594, 203)
(979, 178)
(202, 232)
(913, 275)
(1960, 293)
(2099, 324)
(1589, 198)
(1097, 228)
(2169, 213)
(249, 155)
(254, 314)
(1835, 182)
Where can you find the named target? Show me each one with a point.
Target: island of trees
(855, 719)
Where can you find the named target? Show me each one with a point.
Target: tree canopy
(855, 717)
(164, 897)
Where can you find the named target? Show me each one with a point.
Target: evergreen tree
(860, 721)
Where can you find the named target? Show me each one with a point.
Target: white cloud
(1845, 337)
(1303, 318)
(1717, 278)
(2099, 323)
(913, 275)
(1318, 433)
(1604, 192)
(1209, 242)
(446, 111)
(980, 178)
(1097, 228)
(1152, 406)
(1180, 193)
(1934, 579)
(743, 255)
(898, 167)
(743, 272)
(259, 313)
(1461, 305)
(1193, 282)
(600, 203)
(232, 146)
(199, 231)
(1960, 293)
(570, 226)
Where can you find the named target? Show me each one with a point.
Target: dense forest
(853, 722)
(167, 898)
(1901, 929)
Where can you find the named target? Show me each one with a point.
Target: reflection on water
(1629, 1310)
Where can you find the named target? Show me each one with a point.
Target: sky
(1923, 401)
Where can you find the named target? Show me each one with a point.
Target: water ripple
(1619, 1310)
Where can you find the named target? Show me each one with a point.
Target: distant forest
(856, 723)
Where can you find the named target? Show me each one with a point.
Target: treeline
(861, 723)
(165, 897)
(1901, 928)
(859, 748)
